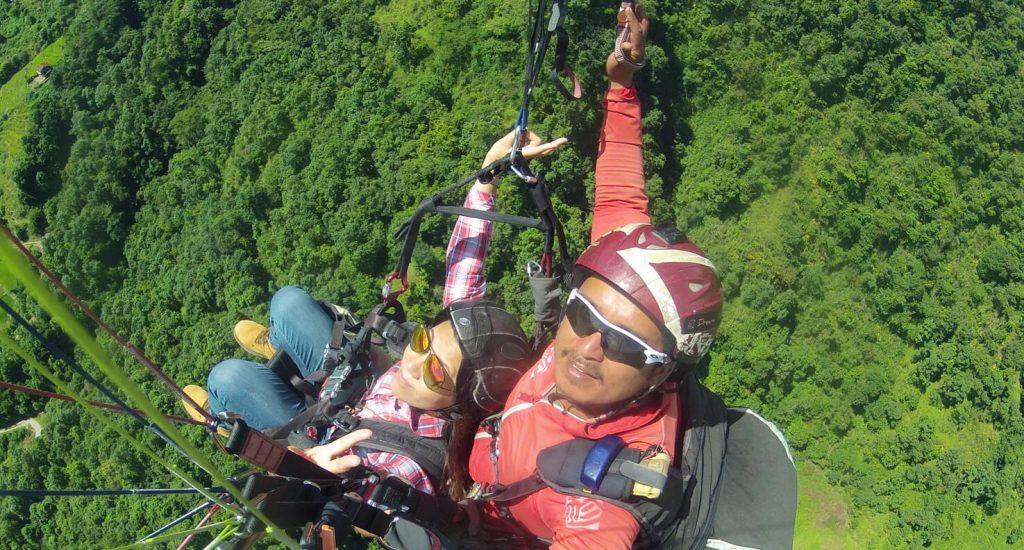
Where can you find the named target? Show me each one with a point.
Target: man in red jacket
(644, 310)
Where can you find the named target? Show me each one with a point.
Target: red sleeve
(481, 469)
(620, 198)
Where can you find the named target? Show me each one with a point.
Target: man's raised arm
(620, 198)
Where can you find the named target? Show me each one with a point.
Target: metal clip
(524, 174)
(532, 267)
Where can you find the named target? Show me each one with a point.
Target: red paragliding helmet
(672, 280)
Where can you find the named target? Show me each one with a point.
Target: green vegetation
(16, 99)
(26, 27)
(855, 169)
(824, 518)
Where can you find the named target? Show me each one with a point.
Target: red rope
(202, 522)
(146, 362)
(107, 406)
(205, 520)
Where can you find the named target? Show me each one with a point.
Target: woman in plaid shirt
(448, 379)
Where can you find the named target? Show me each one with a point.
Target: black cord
(61, 355)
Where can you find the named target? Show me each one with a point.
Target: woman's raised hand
(532, 146)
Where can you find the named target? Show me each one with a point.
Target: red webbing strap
(188, 540)
(622, 34)
(260, 450)
(327, 539)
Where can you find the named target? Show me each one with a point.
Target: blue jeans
(300, 327)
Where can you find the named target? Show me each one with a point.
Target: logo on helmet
(701, 323)
(697, 344)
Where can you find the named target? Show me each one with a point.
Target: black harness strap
(400, 515)
(344, 322)
(559, 467)
(504, 494)
(562, 67)
(392, 328)
(392, 437)
(317, 415)
(286, 369)
(428, 453)
(510, 219)
(288, 501)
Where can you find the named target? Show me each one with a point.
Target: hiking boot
(199, 395)
(254, 338)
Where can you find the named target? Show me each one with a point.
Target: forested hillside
(854, 168)
(27, 27)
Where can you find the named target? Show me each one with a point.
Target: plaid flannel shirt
(467, 250)
(381, 404)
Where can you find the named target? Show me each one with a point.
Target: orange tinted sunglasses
(435, 376)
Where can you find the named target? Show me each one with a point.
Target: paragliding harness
(345, 326)
(705, 498)
(334, 392)
(679, 504)
(349, 372)
(672, 505)
(704, 495)
(300, 494)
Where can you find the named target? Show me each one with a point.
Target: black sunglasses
(618, 344)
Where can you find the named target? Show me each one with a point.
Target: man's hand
(334, 456)
(638, 24)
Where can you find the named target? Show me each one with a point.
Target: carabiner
(531, 267)
(524, 173)
(390, 297)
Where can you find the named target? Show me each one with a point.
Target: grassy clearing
(16, 99)
(823, 517)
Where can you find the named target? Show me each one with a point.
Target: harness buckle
(533, 267)
(346, 422)
(391, 496)
(484, 490)
(523, 173)
(519, 168)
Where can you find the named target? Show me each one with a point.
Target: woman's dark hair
(463, 418)
(495, 353)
